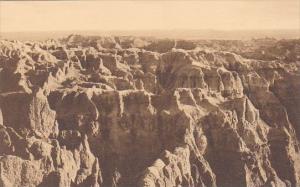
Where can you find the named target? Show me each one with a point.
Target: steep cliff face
(125, 111)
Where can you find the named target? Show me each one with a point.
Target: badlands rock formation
(126, 111)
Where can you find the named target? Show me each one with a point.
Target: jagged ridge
(126, 111)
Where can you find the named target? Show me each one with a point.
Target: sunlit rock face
(127, 111)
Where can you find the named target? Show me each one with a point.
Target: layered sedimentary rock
(126, 111)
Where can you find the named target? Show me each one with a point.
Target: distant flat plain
(176, 34)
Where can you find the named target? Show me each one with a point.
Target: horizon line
(110, 30)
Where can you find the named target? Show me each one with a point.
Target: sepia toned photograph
(150, 93)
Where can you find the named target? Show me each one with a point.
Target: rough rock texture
(126, 111)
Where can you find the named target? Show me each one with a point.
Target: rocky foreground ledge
(125, 111)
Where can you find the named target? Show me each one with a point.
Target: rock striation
(127, 111)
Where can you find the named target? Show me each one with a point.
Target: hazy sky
(142, 15)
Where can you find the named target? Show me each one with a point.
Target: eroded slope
(125, 111)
